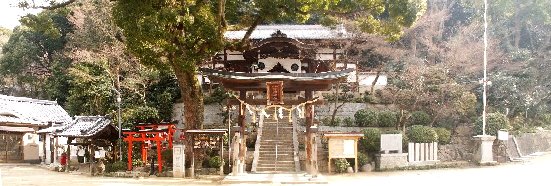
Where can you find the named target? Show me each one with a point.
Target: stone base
(484, 154)
(391, 161)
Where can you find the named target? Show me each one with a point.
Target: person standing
(63, 162)
(80, 154)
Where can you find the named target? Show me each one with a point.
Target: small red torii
(149, 133)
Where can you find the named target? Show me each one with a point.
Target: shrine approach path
(532, 172)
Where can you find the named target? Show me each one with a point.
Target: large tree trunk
(192, 96)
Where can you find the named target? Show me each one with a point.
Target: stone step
(279, 165)
(273, 147)
(274, 170)
(281, 135)
(274, 143)
(276, 140)
(279, 162)
(279, 155)
(280, 152)
(279, 142)
(271, 161)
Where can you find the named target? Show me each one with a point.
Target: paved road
(534, 172)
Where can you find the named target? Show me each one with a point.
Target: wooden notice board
(274, 91)
(343, 145)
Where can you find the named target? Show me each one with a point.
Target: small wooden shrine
(203, 139)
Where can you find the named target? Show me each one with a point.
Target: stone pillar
(484, 154)
(242, 131)
(178, 161)
(235, 154)
(308, 111)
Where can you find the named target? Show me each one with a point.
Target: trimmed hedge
(422, 134)
(419, 118)
(348, 122)
(494, 122)
(444, 135)
(387, 119)
(366, 118)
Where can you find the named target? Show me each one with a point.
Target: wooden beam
(264, 101)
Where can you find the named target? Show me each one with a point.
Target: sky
(10, 13)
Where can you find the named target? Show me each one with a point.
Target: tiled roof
(31, 111)
(84, 126)
(290, 76)
(16, 129)
(292, 31)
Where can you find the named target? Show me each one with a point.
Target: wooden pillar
(68, 153)
(55, 149)
(159, 158)
(221, 141)
(91, 158)
(242, 125)
(144, 152)
(309, 124)
(44, 147)
(129, 155)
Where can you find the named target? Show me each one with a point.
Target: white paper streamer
(280, 113)
(263, 112)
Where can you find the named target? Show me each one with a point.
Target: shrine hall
(277, 82)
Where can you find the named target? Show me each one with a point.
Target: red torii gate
(149, 132)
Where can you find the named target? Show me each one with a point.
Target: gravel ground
(532, 172)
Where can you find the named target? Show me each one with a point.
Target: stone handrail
(295, 144)
(256, 154)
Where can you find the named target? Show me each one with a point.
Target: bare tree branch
(249, 32)
(55, 6)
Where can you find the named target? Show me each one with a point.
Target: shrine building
(277, 82)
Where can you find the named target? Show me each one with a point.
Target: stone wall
(213, 116)
(348, 110)
(213, 113)
(530, 143)
(461, 148)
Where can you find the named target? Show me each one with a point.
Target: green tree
(182, 35)
(33, 59)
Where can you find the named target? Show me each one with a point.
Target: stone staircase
(276, 149)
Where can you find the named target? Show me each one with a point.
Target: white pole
(485, 80)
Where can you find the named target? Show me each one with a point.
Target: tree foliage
(32, 61)
(181, 35)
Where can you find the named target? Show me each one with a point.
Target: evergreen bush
(494, 122)
(348, 121)
(371, 141)
(419, 118)
(444, 135)
(365, 118)
(341, 165)
(116, 166)
(387, 119)
(422, 134)
(215, 162)
(363, 159)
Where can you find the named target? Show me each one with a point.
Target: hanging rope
(253, 110)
